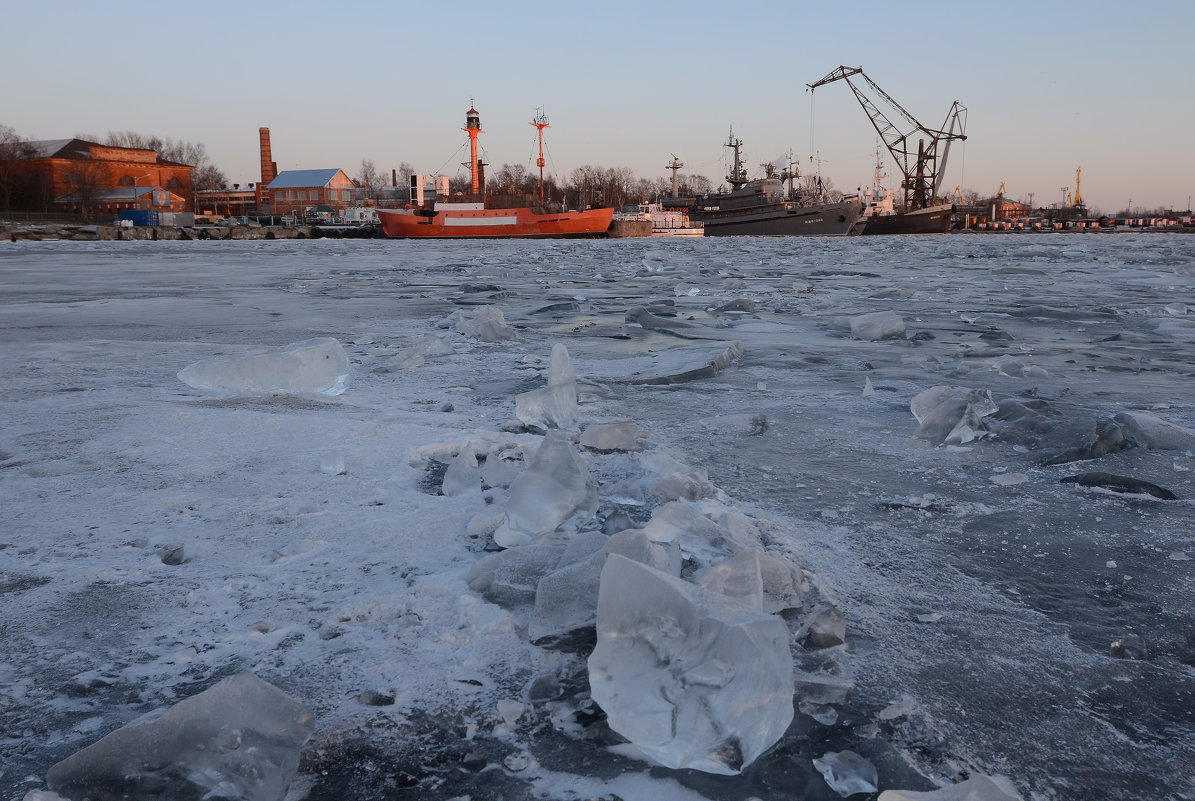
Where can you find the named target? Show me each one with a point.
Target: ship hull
(934, 220)
(492, 223)
(784, 219)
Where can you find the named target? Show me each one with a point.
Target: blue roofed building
(301, 191)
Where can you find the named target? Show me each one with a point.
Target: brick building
(296, 191)
(77, 175)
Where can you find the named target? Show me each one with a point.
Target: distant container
(140, 217)
(176, 219)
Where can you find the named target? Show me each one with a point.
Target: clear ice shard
(952, 415)
(491, 325)
(238, 740)
(554, 494)
(566, 599)
(692, 678)
(847, 773)
(760, 580)
(976, 788)
(553, 406)
(313, 366)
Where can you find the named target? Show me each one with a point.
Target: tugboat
(471, 216)
(762, 207)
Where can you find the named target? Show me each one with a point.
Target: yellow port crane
(1078, 196)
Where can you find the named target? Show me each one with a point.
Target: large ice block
(692, 678)
(554, 494)
(313, 366)
(239, 739)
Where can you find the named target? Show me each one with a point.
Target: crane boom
(922, 173)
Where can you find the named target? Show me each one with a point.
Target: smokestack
(394, 177)
(269, 170)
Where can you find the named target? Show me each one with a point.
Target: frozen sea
(999, 620)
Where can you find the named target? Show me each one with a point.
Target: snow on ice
(690, 541)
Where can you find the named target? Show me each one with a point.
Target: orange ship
(469, 217)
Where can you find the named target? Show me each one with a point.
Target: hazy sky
(1050, 86)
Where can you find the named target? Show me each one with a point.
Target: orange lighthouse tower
(473, 128)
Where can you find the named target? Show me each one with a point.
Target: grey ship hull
(934, 220)
(783, 219)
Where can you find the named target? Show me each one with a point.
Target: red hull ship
(471, 219)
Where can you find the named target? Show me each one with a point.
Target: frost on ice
(555, 493)
(239, 739)
(692, 678)
(313, 366)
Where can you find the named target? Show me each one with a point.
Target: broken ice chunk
(1147, 430)
(553, 406)
(567, 599)
(877, 325)
(976, 788)
(951, 415)
(491, 325)
(616, 435)
(239, 739)
(847, 773)
(463, 474)
(313, 366)
(690, 677)
(509, 578)
(555, 493)
(759, 580)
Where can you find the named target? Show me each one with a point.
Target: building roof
(51, 148)
(299, 179)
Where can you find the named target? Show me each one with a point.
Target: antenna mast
(541, 122)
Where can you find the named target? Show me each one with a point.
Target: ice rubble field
(957, 448)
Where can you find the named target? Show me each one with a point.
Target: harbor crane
(923, 167)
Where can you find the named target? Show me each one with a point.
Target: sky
(1049, 87)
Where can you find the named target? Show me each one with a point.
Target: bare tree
(369, 179)
(208, 177)
(85, 179)
(9, 166)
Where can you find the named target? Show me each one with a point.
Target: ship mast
(473, 128)
(738, 174)
(541, 122)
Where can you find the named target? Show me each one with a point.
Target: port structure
(922, 170)
(675, 166)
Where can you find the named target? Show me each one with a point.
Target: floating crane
(921, 169)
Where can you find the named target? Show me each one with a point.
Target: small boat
(762, 207)
(668, 221)
(472, 216)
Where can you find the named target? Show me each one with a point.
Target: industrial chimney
(269, 170)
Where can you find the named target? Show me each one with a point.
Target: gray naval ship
(763, 207)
